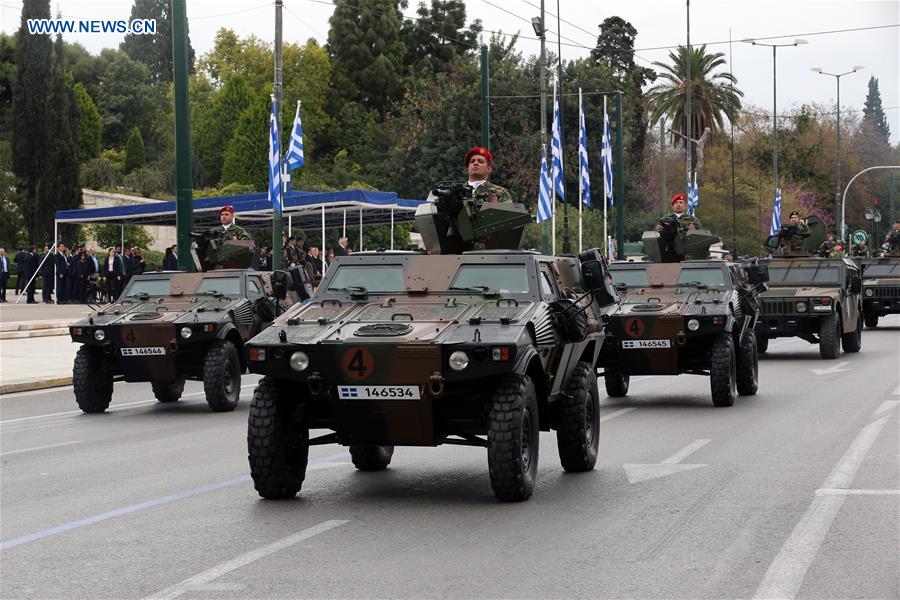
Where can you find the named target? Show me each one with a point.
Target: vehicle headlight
(870, 292)
(459, 360)
(99, 335)
(299, 361)
(801, 307)
(693, 324)
(186, 332)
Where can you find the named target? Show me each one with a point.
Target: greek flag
(584, 176)
(294, 156)
(544, 207)
(693, 196)
(556, 176)
(274, 161)
(606, 156)
(776, 214)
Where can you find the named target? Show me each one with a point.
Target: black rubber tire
(616, 383)
(830, 336)
(748, 366)
(852, 342)
(578, 431)
(277, 442)
(762, 344)
(222, 376)
(871, 321)
(168, 391)
(371, 458)
(513, 438)
(723, 371)
(92, 380)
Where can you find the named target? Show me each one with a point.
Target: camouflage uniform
(685, 220)
(835, 253)
(825, 248)
(795, 242)
(891, 243)
(234, 232)
(487, 190)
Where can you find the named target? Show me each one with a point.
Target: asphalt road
(792, 493)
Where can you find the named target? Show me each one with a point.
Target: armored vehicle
(170, 326)
(693, 317)
(881, 288)
(816, 299)
(671, 244)
(486, 348)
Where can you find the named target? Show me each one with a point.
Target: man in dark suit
(4, 273)
(21, 261)
(62, 272)
(31, 269)
(47, 265)
(341, 248)
(170, 263)
(72, 275)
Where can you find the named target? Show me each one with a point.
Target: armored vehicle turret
(673, 244)
(211, 251)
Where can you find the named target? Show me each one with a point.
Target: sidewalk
(36, 363)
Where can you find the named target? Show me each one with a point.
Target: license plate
(144, 351)
(645, 344)
(378, 392)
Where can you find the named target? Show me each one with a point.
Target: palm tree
(713, 96)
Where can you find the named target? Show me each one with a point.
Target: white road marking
(840, 492)
(10, 452)
(615, 414)
(686, 451)
(786, 573)
(243, 560)
(643, 472)
(838, 368)
(886, 406)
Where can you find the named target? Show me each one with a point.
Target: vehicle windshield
(374, 278)
(882, 270)
(630, 277)
(149, 287)
(509, 279)
(220, 285)
(823, 274)
(701, 276)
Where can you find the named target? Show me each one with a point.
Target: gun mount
(211, 251)
(673, 244)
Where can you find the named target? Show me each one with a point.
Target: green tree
(438, 36)
(251, 57)
(127, 100)
(90, 127)
(154, 50)
(215, 126)
(246, 156)
(307, 77)
(874, 118)
(111, 235)
(134, 151)
(7, 83)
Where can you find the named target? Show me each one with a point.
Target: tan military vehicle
(881, 288)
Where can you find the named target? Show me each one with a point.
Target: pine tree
(134, 151)
(873, 113)
(154, 50)
(90, 127)
(215, 126)
(247, 152)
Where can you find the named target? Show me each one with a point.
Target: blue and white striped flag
(606, 156)
(274, 160)
(294, 156)
(556, 175)
(545, 206)
(584, 178)
(776, 214)
(693, 196)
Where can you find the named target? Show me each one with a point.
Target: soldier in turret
(686, 222)
(228, 229)
(792, 235)
(891, 245)
(479, 163)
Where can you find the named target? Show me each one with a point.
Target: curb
(39, 384)
(18, 335)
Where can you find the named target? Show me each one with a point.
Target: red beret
(678, 197)
(482, 151)
(227, 208)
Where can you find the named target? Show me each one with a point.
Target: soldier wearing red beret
(686, 221)
(228, 229)
(479, 163)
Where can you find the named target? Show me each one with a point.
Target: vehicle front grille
(886, 292)
(778, 306)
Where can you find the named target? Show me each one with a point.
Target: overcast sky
(658, 22)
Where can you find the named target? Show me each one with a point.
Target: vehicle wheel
(222, 376)
(748, 366)
(277, 442)
(616, 383)
(513, 439)
(852, 342)
(722, 371)
(168, 391)
(830, 336)
(92, 380)
(578, 432)
(762, 344)
(871, 321)
(371, 458)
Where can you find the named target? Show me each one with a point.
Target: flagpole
(277, 225)
(605, 166)
(553, 188)
(580, 179)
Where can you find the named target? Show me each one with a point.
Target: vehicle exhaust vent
(383, 330)
(144, 316)
(650, 307)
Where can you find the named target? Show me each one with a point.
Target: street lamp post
(774, 48)
(539, 30)
(837, 195)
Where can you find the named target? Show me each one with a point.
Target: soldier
(792, 235)
(891, 245)
(479, 162)
(228, 229)
(826, 246)
(837, 251)
(686, 222)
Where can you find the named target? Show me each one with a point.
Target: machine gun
(210, 250)
(673, 243)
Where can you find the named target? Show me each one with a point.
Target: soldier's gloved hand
(691, 227)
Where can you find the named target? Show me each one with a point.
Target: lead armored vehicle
(694, 316)
(486, 348)
(881, 288)
(170, 326)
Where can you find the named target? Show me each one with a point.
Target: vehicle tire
(748, 366)
(871, 321)
(92, 380)
(852, 342)
(222, 376)
(513, 439)
(371, 458)
(762, 344)
(578, 431)
(616, 383)
(723, 371)
(168, 391)
(277, 442)
(830, 336)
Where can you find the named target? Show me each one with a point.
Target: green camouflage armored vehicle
(881, 288)
(170, 326)
(816, 299)
(693, 317)
(486, 348)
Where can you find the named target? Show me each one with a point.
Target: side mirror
(757, 273)
(280, 283)
(596, 277)
(301, 284)
(855, 284)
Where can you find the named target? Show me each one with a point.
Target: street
(793, 493)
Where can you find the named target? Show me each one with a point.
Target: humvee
(695, 316)
(881, 288)
(485, 348)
